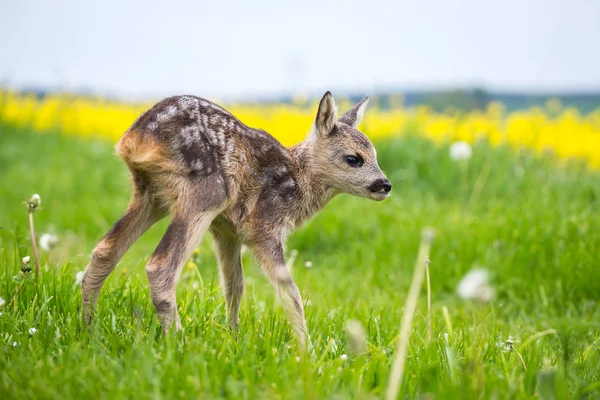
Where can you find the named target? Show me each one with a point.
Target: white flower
(15, 344)
(48, 241)
(475, 285)
(32, 331)
(26, 260)
(508, 344)
(308, 264)
(343, 357)
(2, 301)
(79, 277)
(34, 202)
(460, 151)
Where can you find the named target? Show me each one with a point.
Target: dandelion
(356, 337)
(79, 277)
(15, 344)
(34, 202)
(32, 331)
(343, 357)
(2, 301)
(196, 251)
(460, 151)
(25, 267)
(308, 264)
(191, 265)
(508, 344)
(48, 241)
(475, 285)
(32, 205)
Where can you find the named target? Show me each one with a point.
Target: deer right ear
(326, 115)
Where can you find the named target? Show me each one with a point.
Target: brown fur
(191, 158)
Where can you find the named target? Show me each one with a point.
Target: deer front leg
(270, 255)
(228, 249)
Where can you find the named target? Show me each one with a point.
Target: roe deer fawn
(193, 159)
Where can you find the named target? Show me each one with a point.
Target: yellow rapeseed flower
(563, 130)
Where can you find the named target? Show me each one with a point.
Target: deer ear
(325, 116)
(354, 115)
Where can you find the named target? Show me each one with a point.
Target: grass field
(532, 221)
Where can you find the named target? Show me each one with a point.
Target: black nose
(387, 186)
(380, 185)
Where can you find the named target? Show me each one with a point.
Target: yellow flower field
(564, 131)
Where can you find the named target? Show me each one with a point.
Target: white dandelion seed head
(79, 277)
(32, 331)
(2, 301)
(507, 344)
(460, 151)
(48, 241)
(26, 260)
(36, 200)
(308, 264)
(15, 344)
(195, 285)
(475, 286)
(343, 357)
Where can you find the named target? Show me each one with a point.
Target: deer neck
(315, 193)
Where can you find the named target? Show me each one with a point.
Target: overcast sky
(266, 47)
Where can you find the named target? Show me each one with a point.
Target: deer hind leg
(228, 249)
(141, 214)
(198, 205)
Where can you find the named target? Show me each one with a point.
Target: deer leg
(228, 249)
(164, 267)
(140, 215)
(269, 253)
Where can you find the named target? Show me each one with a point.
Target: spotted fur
(194, 160)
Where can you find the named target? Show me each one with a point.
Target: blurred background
(513, 51)
(453, 70)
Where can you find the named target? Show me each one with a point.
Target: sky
(254, 48)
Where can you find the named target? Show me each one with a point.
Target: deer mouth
(378, 196)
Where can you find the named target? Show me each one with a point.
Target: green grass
(533, 222)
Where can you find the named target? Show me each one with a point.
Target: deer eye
(354, 161)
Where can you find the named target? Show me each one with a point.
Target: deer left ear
(354, 116)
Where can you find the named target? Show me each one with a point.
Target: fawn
(193, 159)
